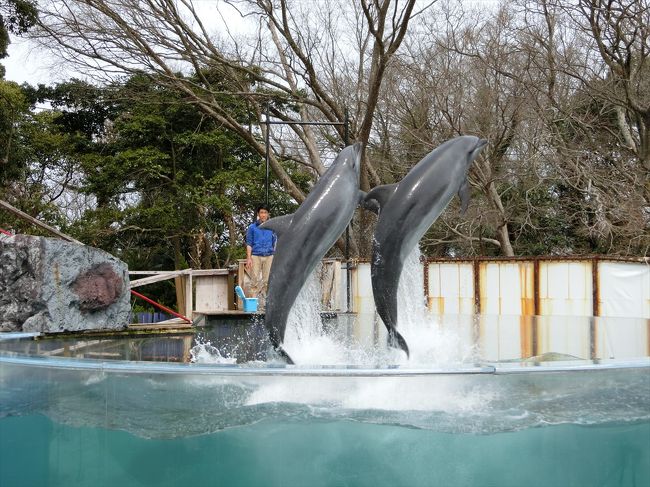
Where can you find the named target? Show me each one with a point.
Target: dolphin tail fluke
(396, 340)
(276, 342)
(282, 353)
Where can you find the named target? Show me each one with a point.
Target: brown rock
(97, 288)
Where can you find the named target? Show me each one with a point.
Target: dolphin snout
(480, 143)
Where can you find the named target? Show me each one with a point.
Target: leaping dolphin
(406, 211)
(306, 235)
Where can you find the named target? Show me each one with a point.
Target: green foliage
(134, 169)
(33, 153)
(171, 188)
(13, 106)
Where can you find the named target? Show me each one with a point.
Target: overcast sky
(24, 64)
(29, 64)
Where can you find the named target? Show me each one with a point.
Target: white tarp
(624, 289)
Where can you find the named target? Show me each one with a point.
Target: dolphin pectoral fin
(464, 195)
(278, 224)
(396, 340)
(378, 196)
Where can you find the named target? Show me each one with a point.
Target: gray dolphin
(407, 210)
(306, 235)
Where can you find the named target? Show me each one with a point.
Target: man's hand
(249, 264)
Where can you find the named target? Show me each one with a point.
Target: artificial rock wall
(49, 285)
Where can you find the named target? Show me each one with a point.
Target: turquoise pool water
(110, 412)
(36, 451)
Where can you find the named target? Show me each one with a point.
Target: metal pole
(313, 124)
(346, 140)
(268, 157)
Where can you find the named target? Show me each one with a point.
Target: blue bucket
(250, 304)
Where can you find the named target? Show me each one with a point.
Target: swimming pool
(212, 409)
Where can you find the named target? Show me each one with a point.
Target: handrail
(6, 206)
(155, 278)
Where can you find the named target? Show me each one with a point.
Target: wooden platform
(200, 318)
(228, 313)
(168, 326)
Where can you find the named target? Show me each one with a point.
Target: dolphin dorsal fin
(368, 204)
(278, 224)
(378, 196)
(464, 191)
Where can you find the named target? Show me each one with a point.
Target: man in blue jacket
(260, 246)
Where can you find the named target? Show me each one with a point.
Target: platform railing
(201, 290)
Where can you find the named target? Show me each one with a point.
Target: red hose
(5, 232)
(164, 308)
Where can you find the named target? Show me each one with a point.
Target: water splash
(361, 340)
(205, 353)
(430, 340)
(309, 342)
(306, 339)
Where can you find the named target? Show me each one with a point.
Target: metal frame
(268, 122)
(346, 140)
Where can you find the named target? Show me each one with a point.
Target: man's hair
(262, 207)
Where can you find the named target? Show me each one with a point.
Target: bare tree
(560, 90)
(168, 40)
(621, 33)
(307, 61)
(446, 89)
(595, 101)
(564, 171)
(167, 37)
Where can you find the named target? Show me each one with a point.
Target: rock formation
(49, 285)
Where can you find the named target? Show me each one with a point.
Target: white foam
(386, 393)
(206, 353)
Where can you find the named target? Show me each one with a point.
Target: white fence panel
(565, 288)
(361, 287)
(506, 288)
(624, 289)
(451, 288)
